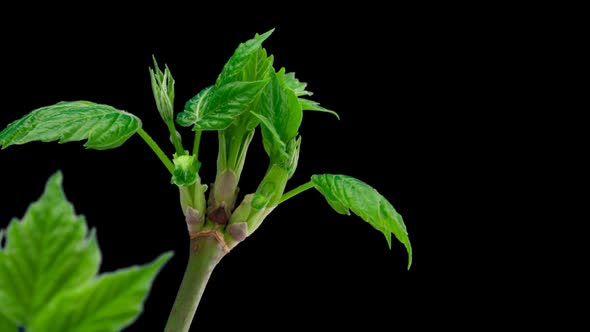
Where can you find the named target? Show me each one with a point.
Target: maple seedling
(248, 94)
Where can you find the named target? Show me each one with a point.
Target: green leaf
(103, 126)
(289, 123)
(193, 109)
(346, 193)
(310, 105)
(270, 137)
(292, 83)
(48, 272)
(238, 135)
(282, 115)
(47, 251)
(241, 58)
(6, 325)
(272, 103)
(258, 67)
(296, 86)
(186, 169)
(227, 102)
(107, 304)
(237, 87)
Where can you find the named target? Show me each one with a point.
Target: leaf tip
(162, 260)
(267, 34)
(55, 180)
(409, 249)
(388, 239)
(92, 237)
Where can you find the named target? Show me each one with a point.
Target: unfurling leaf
(241, 58)
(237, 87)
(281, 115)
(227, 102)
(49, 259)
(310, 105)
(346, 193)
(103, 126)
(298, 89)
(258, 67)
(186, 169)
(296, 86)
(163, 90)
(273, 144)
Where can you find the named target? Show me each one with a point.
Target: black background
(402, 79)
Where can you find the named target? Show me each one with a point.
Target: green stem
(175, 140)
(205, 253)
(240, 158)
(196, 144)
(234, 150)
(222, 153)
(152, 144)
(296, 191)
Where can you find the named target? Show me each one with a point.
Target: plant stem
(240, 158)
(296, 191)
(152, 144)
(205, 253)
(222, 153)
(196, 144)
(175, 140)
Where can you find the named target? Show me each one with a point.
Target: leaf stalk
(156, 148)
